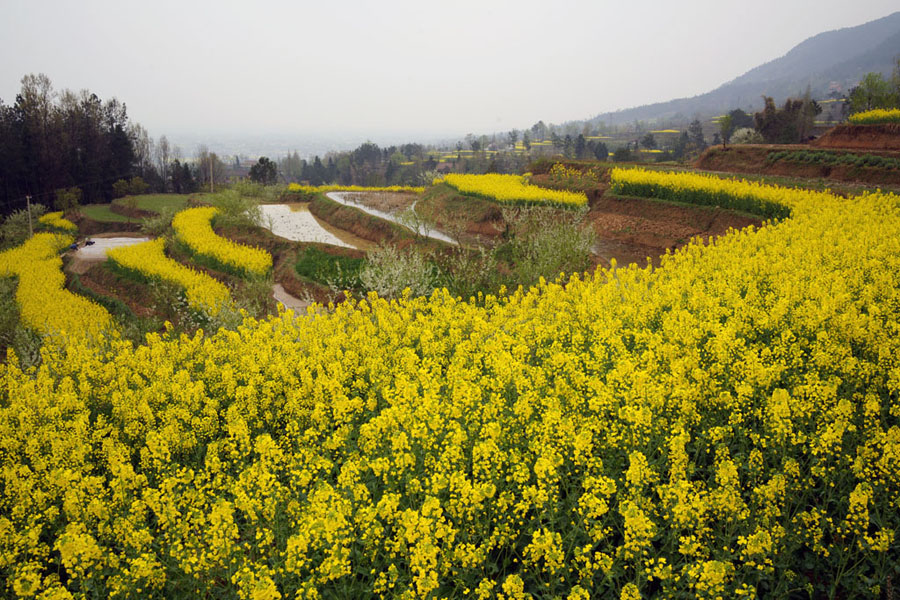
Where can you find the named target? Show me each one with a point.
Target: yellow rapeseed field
(726, 425)
(512, 189)
(149, 261)
(44, 303)
(878, 115)
(55, 219)
(695, 188)
(193, 227)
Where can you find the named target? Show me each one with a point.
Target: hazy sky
(418, 67)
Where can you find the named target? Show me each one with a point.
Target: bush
(120, 188)
(746, 135)
(470, 272)
(389, 272)
(623, 154)
(253, 295)
(264, 193)
(67, 199)
(130, 187)
(544, 243)
(236, 209)
(14, 230)
(159, 224)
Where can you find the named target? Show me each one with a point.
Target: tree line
(52, 142)
(63, 148)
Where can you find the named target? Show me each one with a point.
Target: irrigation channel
(346, 198)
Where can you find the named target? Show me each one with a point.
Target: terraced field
(725, 425)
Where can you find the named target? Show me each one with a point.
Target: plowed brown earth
(103, 282)
(633, 229)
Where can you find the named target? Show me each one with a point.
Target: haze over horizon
(397, 68)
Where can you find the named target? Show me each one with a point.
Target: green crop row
(833, 159)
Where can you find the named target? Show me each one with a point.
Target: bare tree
(163, 154)
(143, 148)
(209, 166)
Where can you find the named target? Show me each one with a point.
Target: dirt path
(288, 301)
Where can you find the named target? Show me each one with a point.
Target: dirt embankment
(861, 137)
(472, 220)
(89, 227)
(359, 223)
(753, 159)
(284, 256)
(128, 211)
(103, 282)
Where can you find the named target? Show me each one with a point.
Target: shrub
(159, 224)
(14, 230)
(746, 135)
(389, 271)
(133, 187)
(544, 243)
(623, 154)
(236, 208)
(67, 199)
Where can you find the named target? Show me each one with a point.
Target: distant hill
(831, 60)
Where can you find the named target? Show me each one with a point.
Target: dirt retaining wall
(134, 213)
(861, 137)
(357, 222)
(88, 226)
(752, 159)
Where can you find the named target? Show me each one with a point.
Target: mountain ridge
(820, 63)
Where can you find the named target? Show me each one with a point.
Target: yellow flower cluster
(44, 303)
(321, 189)
(512, 189)
(193, 227)
(726, 425)
(876, 116)
(695, 188)
(148, 260)
(55, 219)
(561, 172)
